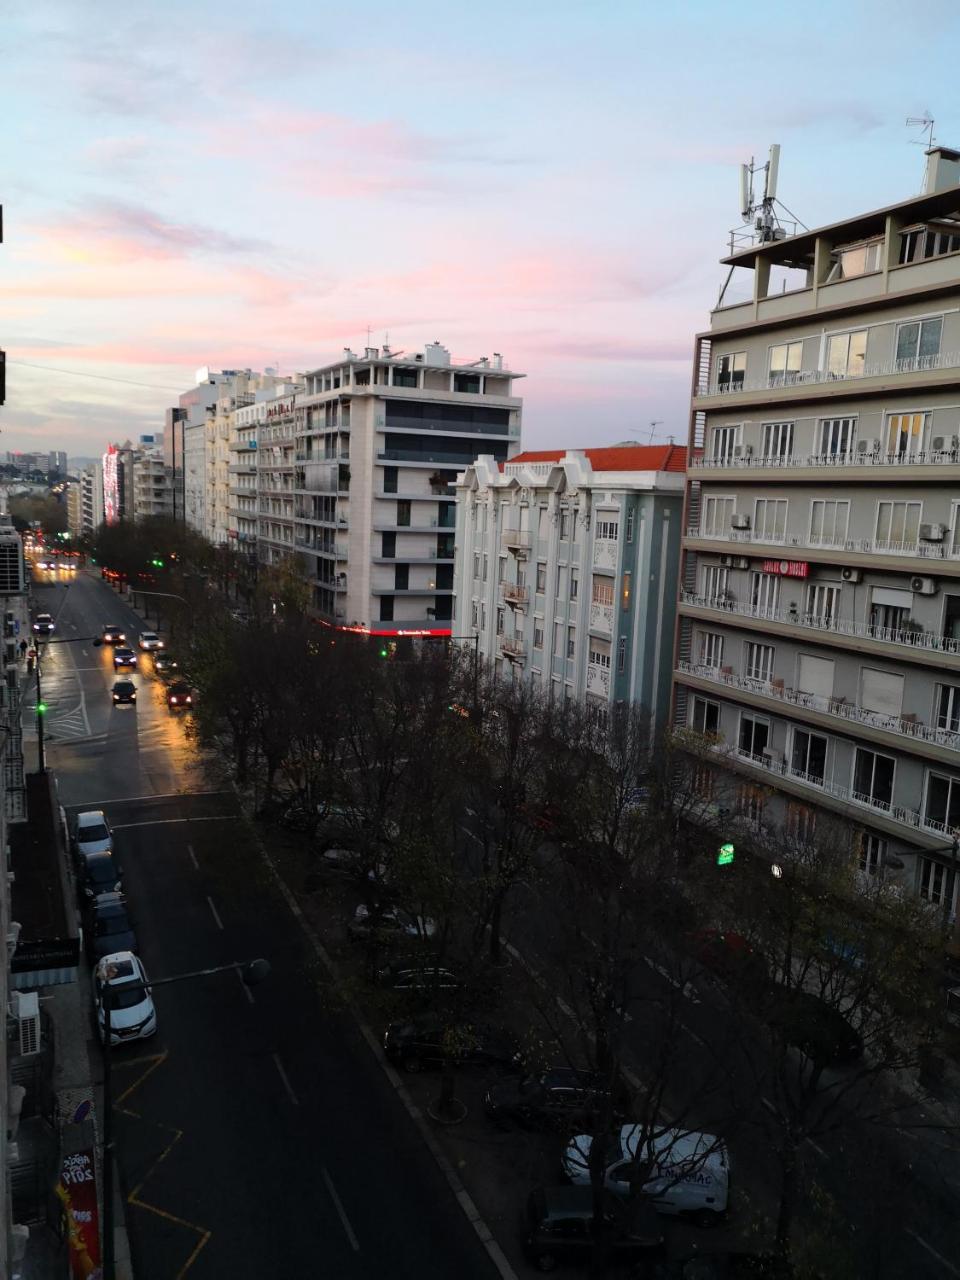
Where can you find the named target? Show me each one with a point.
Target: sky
(244, 185)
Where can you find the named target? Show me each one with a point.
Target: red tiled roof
(619, 457)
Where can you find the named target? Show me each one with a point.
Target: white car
(93, 834)
(150, 642)
(132, 1015)
(689, 1173)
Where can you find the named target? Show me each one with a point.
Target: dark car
(43, 624)
(108, 927)
(124, 691)
(724, 1265)
(98, 873)
(179, 696)
(123, 657)
(418, 977)
(556, 1099)
(559, 1226)
(730, 957)
(427, 1042)
(164, 664)
(113, 635)
(815, 1027)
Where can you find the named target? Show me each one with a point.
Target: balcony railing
(514, 594)
(904, 726)
(921, 550)
(605, 554)
(816, 377)
(516, 539)
(816, 622)
(601, 617)
(513, 647)
(829, 461)
(598, 679)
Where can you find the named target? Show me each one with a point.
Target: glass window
(602, 591)
(873, 778)
(943, 802)
(716, 516)
(808, 756)
(609, 530)
(564, 525)
(905, 434)
(629, 528)
(574, 583)
(828, 522)
(725, 441)
(758, 661)
(770, 518)
(777, 440)
(918, 343)
(537, 634)
(785, 361)
(716, 580)
(541, 578)
(501, 568)
(706, 716)
(571, 642)
(823, 603)
(948, 707)
(731, 369)
(754, 735)
(765, 594)
(873, 850)
(485, 566)
(934, 883)
(403, 511)
(474, 615)
(711, 649)
(557, 639)
(500, 622)
(561, 574)
(621, 653)
(846, 354)
(858, 260)
(898, 523)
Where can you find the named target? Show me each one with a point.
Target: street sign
(725, 855)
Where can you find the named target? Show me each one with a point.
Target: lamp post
(251, 973)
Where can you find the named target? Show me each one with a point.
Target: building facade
(566, 568)
(91, 499)
(152, 483)
(380, 439)
(276, 469)
(819, 635)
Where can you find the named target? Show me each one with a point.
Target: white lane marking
(286, 1083)
(193, 857)
(338, 1205)
(84, 652)
(166, 822)
(685, 988)
(246, 990)
(933, 1253)
(166, 795)
(216, 915)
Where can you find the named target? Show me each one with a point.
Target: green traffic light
(725, 855)
(41, 708)
(383, 652)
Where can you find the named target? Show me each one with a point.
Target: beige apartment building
(819, 632)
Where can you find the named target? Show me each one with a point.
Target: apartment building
(819, 634)
(91, 498)
(191, 436)
(276, 469)
(380, 438)
(566, 568)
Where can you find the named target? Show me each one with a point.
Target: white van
(690, 1172)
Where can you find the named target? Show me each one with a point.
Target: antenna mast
(926, 121)
(766, 224)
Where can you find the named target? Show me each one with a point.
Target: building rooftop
(617, 457)
(433, 356)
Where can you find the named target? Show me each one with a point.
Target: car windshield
(127, 995)
(96, 831)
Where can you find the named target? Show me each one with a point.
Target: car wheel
(705, 1218)
(412, 1063)
(545, 1262)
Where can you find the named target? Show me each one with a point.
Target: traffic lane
(325, 1114)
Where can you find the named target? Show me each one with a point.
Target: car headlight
(116, 697)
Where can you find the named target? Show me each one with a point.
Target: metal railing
(828, 461)
(598, 679)
(514, 593)
(920, 550)
(837, 707)
(513, 647)
(516, 538)
(817, 377)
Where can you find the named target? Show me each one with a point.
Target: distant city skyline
(555, 182)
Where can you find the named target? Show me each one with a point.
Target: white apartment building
(91, 498)
(819, 636)
(276, 468)
(566, 568)
(152, 483)
(380, 439)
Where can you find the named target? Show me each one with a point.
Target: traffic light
(725, 854)
(384, 651)
(41, 708)
(157, 562)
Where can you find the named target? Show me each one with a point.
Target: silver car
(93, 834)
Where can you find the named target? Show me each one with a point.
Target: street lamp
(251, 973)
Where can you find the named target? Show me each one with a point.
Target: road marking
(338, 1204)
(84, 653)
(215, 913)
(193, 857)
(246, 990)
(933, 1253)
(168, 822)
(166, 795)
(286, 1083)
(685, 988)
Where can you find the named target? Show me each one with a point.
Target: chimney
(943, 169)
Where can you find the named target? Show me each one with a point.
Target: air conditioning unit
(851, 575)
(932, 532)
(862, 446)
(743, 451)
(25, 1007)
(924, 586)
(727, 561)
(772, 755)
(740, 522)
(939, 444)
(741, 562)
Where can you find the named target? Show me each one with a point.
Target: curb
(460, 1193)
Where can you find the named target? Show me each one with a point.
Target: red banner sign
(787, 568)
(77, 1192)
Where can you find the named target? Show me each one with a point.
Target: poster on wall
(77, 1192)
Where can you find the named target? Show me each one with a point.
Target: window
(881, 692)
(785, 361)
(602, 591)
(541, 578)
(801, 823)
(770, 519)
(918, 343)
(898, 523)
(706, 716)
(948, 707)
(390, 484)
(557, 639)
(873, 778)
(621, 653)
(846, 354)
(560, 576)
(401, 575)
(574, 583)
(754, 735)
(571, 642)
(828, 522)
(629, 528)
(872, 852)
(598, 658)
(716, 517)
(388, 548)
(808, 756)
(483, 617)
(857, 260)
(823, 603)
(716, 580)
(725, 441)
(926, 242)
(758, 661)
(485, 565)
(704, 781)
(564, 525)
(609, 530)
(711, 649)
(943, 802)
(934, 883)
(906, 434)
(731, 370)
(501, 568)
(765, 594)
(837, 437)
(537, 633)
(625, 591)
(750, 804)
(777, 439)
(474, 614)
(500, 617)
(403, 511)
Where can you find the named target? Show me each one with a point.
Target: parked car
(43, 624)
(132, 1015)
(689, 1172)
(559, 1226)
(417, 976)
(724, 1265)
(124, 691)
(554, 1099)
(113, 635)
(98, 873)
(92, 833)
(428, 1042)
(179, 696)
(124, 657)
(108, 927)
(385, 922)
(164, 663)
(150, 642)
(730, 957)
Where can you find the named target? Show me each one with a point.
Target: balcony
(605, 554)
(863, 461)
(598, 680)
(790, 382)
(514, 594)
(513, 647)
(517, 541)
(462, 459)
(601, 618)
(838, 550)
(906, 727)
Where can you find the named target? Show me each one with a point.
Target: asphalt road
(256, 1135)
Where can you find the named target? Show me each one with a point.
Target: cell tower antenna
(925, 122)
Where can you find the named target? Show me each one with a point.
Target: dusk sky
(238, 185)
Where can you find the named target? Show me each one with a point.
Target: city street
(256, 1135)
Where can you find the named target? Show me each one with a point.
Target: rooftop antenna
(761, 211)
(657, 422)
(925, 122)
